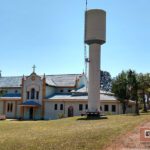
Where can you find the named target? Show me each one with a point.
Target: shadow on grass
(20, 120)
(92, 118)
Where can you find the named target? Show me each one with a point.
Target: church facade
(48, 97)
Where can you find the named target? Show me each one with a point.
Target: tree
(119, 88)
(144, 85)
(133, 88)
(148, 97)
(147, 78)
(106, 81)
(129, 85)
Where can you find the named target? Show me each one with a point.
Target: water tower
(95, 36)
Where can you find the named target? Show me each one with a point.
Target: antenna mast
(86, 60)
(85, 49)
(86, 4)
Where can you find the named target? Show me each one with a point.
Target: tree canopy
(128, 85)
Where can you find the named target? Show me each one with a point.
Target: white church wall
(26, 114)
(18, 109)
(50, 91)
(75, 106)
(37, 114)
(109, 104)
(62, 90)
(51, 113)
(12, 90)
(10, 114)
(47, 111)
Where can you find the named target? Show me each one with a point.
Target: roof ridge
(61, 74)
(42, 75)
(11, 76)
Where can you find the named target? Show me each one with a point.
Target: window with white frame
(61, 106)
(28, 95)
(106, 108)
(80, 107)
(37, 95)
(9, 107)
(86, 106)
(113, 108)
(55, 106)
(32, 93)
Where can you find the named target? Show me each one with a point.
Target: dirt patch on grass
(130, 141)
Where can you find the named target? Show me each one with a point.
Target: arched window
(86, 106)
(9, 107)
(28, 95)
(61, 107)
(32, 93)
(55, 106)
(101, 108)
(37, 95)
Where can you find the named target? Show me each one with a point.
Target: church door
(31, 113)
(70, 111)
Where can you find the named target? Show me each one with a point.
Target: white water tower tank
(95, 26)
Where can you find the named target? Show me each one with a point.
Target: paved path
(131, 141)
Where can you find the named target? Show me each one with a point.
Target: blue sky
(49, 34)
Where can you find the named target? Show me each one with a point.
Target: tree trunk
(124, 107)
(148, 103)
(145, 108)
(137, 108)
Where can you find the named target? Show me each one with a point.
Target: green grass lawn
(66, 134)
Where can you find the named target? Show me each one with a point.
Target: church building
(36, 97)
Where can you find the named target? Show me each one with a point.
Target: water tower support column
(94, 78)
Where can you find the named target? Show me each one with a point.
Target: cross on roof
(34, 68)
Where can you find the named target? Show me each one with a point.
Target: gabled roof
(10, 81)
(84, 90)
(63, 80)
